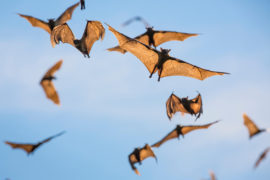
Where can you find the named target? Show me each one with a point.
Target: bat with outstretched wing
(160, 61)
(30, 148)
(47, 84)
(82, 4)
(93, 32)
(251, 126)
(136, 18)
(181, 130)
(138, 155)
(262, 157)
(48, 26)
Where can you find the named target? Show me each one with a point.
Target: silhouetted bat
(47, 84)
(138, 155)
(181, 130)
(184, 105)
(160, 61)
(48, 26)
(251, 126)
(82, 4)
(30, 148)
(93, 32)
(262, 156)
(136, 18)
(155, 38)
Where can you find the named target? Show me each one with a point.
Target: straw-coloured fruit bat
(181, 130)
(262, 156)
(184, 105)
(47, 84)
(82, 4)
(93, 32)
(160, 61)
(30, 148)
(48, 26)
(136, 18)
(251, 126)
(138, 155)
(156, 38)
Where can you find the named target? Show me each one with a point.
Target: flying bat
(138, 155)
(82, 4)
(93, 32)
(136, 18)
(251, 126)
(212, 175)
(48, 26)
(47, 84)
(184, 105)
(160, 61)
(156, 38)
(181, 130)
(262, 156)
(30, 148)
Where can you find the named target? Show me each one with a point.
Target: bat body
(251, 126)
(47, 84)
(212, 175)
(138, 155)
(93, 32)
(82, 4)
(30, 148)
(262, 156)
(48, 26)
(184, 105)
(160, 61)
(136, 18)
(156, 38)
(181, 130)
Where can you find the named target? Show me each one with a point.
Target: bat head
(165, 51)
(150, 29)
(77, 42)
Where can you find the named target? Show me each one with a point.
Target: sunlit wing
(196, 105)
(62, 33)
(50, 91)
(52, 137)
(173, 105)
(251, 126)
(53, 69)
(262, 156)
(28, 148)
(173, 134)
(187, 129)
(37, 22)
(66, 15)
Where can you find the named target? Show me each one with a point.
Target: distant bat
(184, 105)
(181, 130)
(262, 156)
(212, 175)
(30, 148)
(93, 32)
(136, 18)
(160, 61)
(138, 155)
(156, 38)
(48, 26)
(82, 4)
(47, 84)
(252, 128)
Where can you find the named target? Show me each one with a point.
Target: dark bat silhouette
(30, 148)
(93, 32)
(47, 84)
(251, 126)
(82, 4)
(136, 18)
(181, 130)
(138, 155)
(262, 156)
(48, 26)
(160, 61)
(184, 105)
(156, 38)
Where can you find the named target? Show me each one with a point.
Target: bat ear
(161, 49)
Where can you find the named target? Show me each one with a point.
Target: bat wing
(252, 128)
(37, 22)
(173, 105)
(53, 69)
(136, 18)
(165, 36)
(262, 156)
(146, 152)
(52, 137)
(196, 105)
(62, 33)
(50, 91)
(147, 55)
(173, 134)
(65, 16)
(187, 129)
(177, 67)
(28, 148)
(132, 159)
(82, 4)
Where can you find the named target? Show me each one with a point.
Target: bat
(30, 148)
(184, 105)
(138, 155)
(181, 130)
(262, 156)
(82, 4)
(251, 126)
(48, 26)
(47, 84)
(160, 61)
(212, 175)
(93, 32)
(156, 38)
(136, 18)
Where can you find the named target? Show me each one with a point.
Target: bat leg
(159, 74)
(153, 71)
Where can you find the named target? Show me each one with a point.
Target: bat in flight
(136, 18)
(138, 155)
(82, 4)
(156, 38)
(48, 26)
(181, 130)
(262, 156)
(93, 32)
(160, 61)
(30, 148)
(212, 175)
(251, 126)
(47, 84)
(184, 105)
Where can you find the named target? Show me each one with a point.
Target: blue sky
(109, 106)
